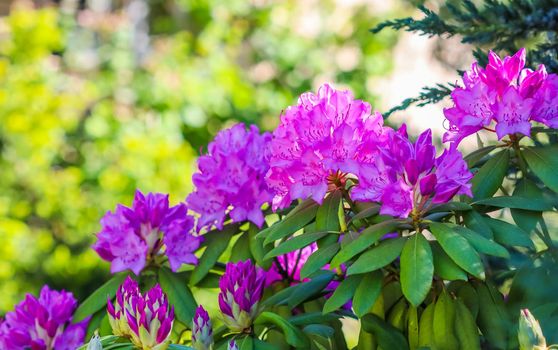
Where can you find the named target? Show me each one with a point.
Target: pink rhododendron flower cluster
(319, 142)
(504, 93)
(43, 323)
(410, 176)
(231, 178)
(133, 235)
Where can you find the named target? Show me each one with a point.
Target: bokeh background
(99, 97)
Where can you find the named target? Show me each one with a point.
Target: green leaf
(292, 222)
(241, 248)
(327, 216)
(377, 257)
(444, 266)
(258, 249)
(367, 237)
(527, 219)
(458, 249)
(508, 234)
(515, 202)
(475, 222)
(98, 299)
(293, 335)
(217, 242)
(413, 327)
(367, 292)
(481, 244)
(388, 336)
(426, 326)
(179, 347)
(465, 328)
(318, 259)
(312, 317)
(179, 295)
(444, 321)
(474, 157)
(246, 343)
(307, 290)
(451, 206)
(295, 243)
(366, 213)
(490, 176)
(493, 320)
(417, 269)
(344, 291)
(320, 330)
(543, 161)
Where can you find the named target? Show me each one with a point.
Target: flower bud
(95, 343)
(232, 345)
(241, 290)
(530, 334)
(202, 332)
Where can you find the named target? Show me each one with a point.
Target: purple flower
(411, 178)
(504, 93)
(43, 323)
(130, 237)
(241, 290)
(231, 178)
(232, 345)
(145, 319)
(288, 266)
(202, 331)
(319, 143)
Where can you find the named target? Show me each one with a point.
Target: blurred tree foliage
(90, 110)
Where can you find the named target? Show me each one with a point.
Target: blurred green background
(100, 97)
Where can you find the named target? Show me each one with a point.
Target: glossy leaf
(444, 321)
(475, 222)
(241, 249)
(474, 157)
(179, 295)
(216, 242)
(299, 217)
(465, 328)
(327, 216)
(377, 257)
(493, 320)
(258, 249)
(388, 336)
(296, 242)
(367, 292)
(98, 299)
(490, 176)
(481, 244)
(508, 234)
(293, 335)
(417, 269)
(543, 161)
(307, 290)
(527, 219)
(515, 202)
(426, 326)
(318, 259)
(344, 291)
(444, 266)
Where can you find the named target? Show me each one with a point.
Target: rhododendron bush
(332, 216)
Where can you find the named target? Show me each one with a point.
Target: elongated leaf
(295, 243)
(451, 206)
(465, 328)
(318, 259)
(293, 335)
(258, 249)
(527, 219)
(98, 299)
(294, 221)
(458, 249)
(413, 327)
(344, 291)
(474, 157)
(426, 326)
(246, 343)
(417, 269)
(367, 237)
(179, 295)
(444, 321)
(493, 320)
(321, 330)
(377, 257)
(307, 290)
(475, 222)
(217, 242)
(481, 244)
(515, 202)
(367, 292)
(312, 317)
(490, 176)
(366, 213)
(327, 216)
(544, 163)
(241, 248)
(444, 266)
(388, 336)
(508, 234)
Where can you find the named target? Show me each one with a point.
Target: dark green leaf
(344, 291)
(366, 213)
(388, 336)
(179, 295)
(241, 248)
(474, 157)
(295, 243)
(451, 206)
(258, 249)
(312, 317)
(444, 266)
(443, 323)
(377, 257)
(327, 217)
(490, 176)
(319, 329)
(465, 328)
(367, 292)
(544, 163)
(515, 202)
(481, 244)
(367, 237)
(458, 249)
(493, 320)
(217, 242)
(417, 269)
(98, 299)
(307, 290)
(293, 335)
(294, 221)
(246, 343)
(509, 234)
(318, 259)
(527, 219)
(475, 222)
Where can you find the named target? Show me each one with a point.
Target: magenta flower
(241, 290)
(202, 330)
(319, 143)
(130, 237)
(231, 178)
(503, 93)
(43, 323)
(145, 319)
(412, 178)
(287, 266)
